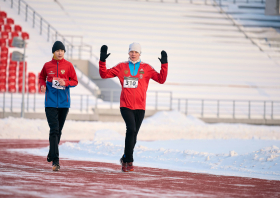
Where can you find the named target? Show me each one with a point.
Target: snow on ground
(168, 140)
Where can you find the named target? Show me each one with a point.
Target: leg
(62, 114)
(129, 119)
(52, 117)
(139, 116)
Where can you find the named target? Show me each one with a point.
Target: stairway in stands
(209, 57)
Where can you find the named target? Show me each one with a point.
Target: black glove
(103, 53)
(163, 57)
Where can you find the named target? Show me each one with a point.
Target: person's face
(59, 54)
(133, 55)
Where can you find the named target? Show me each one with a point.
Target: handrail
(45, 27)
(267, 109)
(191, 1)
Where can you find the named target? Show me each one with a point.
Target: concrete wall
(71, 116)
(92, 71)
(81, 64)
(272, 7)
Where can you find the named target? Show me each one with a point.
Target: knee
(131, 131)
(54, 132)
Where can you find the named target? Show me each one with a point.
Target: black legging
(133, 120)
(56, 118)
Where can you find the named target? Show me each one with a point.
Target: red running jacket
(134, 98)
(58, 98)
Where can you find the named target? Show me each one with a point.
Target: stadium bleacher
(211, 53)
(15, 74)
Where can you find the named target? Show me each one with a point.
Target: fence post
(33, 19)
(272, 110)
(41, 25)
(249, 110)
(111, 100)
(186, 111)
(27, 106)
(233, 110)
(80, 49)
(156, 99)
(34, 102)
(87, 103)
(170, 101)
(71, 51)
(18, 7)
(218, 108)
(202, 107)
(11, 102)
(26, 12)
(12, 1)
(264, 110)
(81, 106)
(179, 101)
(4, 105)
(96, 99)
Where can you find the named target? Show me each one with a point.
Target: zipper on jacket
(57, 90)
(134, 89)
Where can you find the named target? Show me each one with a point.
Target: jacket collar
(60, 61)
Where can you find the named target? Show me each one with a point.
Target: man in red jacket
(134, 76)
(56, 77)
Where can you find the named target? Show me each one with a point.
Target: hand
(43, 89)
(163, 59)
(103, 53)
(61, 82)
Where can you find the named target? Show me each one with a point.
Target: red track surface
(24, 175)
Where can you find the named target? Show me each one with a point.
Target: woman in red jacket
(134, 76)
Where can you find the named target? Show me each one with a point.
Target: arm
(73, 80)
(108, 73)
(42, 77)
(161, 77)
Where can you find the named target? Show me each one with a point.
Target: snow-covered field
(168, 140)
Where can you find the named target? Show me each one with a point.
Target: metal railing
(209, 1)
(11, 102)
(228, 108)
(156, 100)
(73, 50)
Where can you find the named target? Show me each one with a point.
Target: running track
(24, 175)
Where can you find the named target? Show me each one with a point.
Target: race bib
(130, 82)
(55, 83)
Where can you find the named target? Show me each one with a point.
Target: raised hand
(103, 53)
(163, 58)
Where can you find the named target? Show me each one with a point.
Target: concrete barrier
(114, 115)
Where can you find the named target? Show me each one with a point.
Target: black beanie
(57, 46)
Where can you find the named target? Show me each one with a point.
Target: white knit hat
(135, 47)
